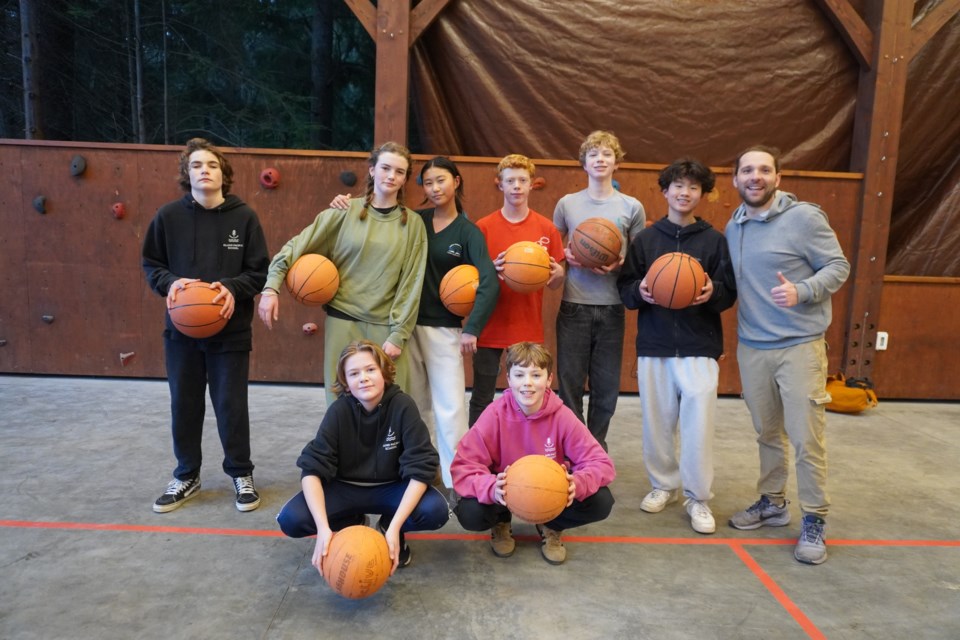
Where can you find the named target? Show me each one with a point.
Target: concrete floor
(83, 556)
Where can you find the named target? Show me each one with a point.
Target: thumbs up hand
(784, 295)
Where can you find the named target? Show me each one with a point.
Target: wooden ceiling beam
(423, 16)
(366, 13)
(930, 23)
(852, 28)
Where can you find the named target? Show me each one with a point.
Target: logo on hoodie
(549, 448)
(455, 249)
(233, 242)
(391, 441)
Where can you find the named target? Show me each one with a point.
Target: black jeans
(486, 368)
(474, 516)
(590, 347)
(189, 370)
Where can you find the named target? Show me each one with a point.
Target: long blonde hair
(386, 147)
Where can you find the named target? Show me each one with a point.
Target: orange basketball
(194, 314)
(313, 279)
(357, 563)
(526, 267)
(596, 242)
(458, 289)
(537, 489)
(675, 279)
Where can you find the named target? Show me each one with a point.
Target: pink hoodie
(503, 434)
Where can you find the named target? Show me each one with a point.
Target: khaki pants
(785, 391)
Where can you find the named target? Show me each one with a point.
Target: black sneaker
(178, 492)
(405, 555)
(247, 497)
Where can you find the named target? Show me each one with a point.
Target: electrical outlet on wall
(882, 338)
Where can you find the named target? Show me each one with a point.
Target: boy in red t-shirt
(518, 317)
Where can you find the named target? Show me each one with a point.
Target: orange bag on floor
(850, 395)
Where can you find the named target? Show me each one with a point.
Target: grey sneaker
(812, 546)
(178, 492)
(656, 500)
(761, 513)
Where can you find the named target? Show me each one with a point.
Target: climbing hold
(78, 164)
(119, 210)
(269, 178)
(348, 178)
(310, 328)
(40, 204)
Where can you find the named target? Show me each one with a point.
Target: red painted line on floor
(91, 526)
(735, 544)
(801, 619)
(893, 543)
(262, 533)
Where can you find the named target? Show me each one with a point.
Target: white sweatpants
(679, 392)
(437, 385)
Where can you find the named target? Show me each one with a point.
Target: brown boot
(551, 548)
(501, 540)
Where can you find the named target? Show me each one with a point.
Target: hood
(782, 200)
(389, 393)
(672, 230)
(551, 404)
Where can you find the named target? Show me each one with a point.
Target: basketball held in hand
(357, 563)
(526, 267)
(596, 242)
(537, 489)
(313, 280)
(675, 280)
(458, 289)
(194, 313)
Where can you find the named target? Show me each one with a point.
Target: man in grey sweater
(788, 263)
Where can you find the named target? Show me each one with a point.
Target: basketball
(675, 279)
(357, 563)
(313, 280)
(596, 242)
(526, 267)
(458, 289)
(194, 314)
(537, 489)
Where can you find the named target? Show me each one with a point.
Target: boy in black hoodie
(678, 349)
(212, 236)
(372, 454)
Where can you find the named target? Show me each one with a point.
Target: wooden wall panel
(83, 266)
(920, 316)
(15, 207)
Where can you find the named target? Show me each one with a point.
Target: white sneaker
(701, 519)
(656, 500)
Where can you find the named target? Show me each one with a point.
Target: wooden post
(391, 98)
(394, 27)
(876, 142)
(884, 43)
